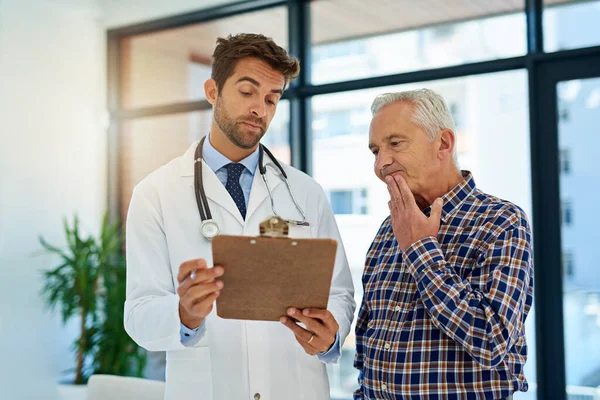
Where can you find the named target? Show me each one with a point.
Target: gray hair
(430, 111)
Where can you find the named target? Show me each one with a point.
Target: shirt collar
(215, 160)
(455, 197)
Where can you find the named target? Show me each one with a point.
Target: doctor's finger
(313, 325)
(205, 304)
(325, 316)
(194, 304)
(185, 285)
(202, 276)
(197, 292)
(297, 330)
(303, 336)
(309, 349)
(189, 283)
(188, 266)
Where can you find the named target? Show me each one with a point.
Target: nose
(383, 160)
(259, 109)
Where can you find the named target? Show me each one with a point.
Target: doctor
(171, 286)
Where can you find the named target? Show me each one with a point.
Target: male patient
(448, 278)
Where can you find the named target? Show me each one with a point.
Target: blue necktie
(234, 171)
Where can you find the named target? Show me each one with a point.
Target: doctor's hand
(321, 329)
(198, 289)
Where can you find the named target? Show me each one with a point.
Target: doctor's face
(401, 147)
(246, 103)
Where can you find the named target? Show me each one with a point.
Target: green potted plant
(89, 284)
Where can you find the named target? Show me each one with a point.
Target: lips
(252, 125)
(390, 170)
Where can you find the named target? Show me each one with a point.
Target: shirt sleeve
(485, 322)
(191, 336)
(360, 331)
(334, 353)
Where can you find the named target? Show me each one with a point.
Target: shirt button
(387, 346)
(384, 387)
(397, 308)
(257, 396)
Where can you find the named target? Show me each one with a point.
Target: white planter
(67, 391)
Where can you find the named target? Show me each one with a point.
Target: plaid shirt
(446, 318)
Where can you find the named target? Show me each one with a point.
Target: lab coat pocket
(302, 232)
(189, 374)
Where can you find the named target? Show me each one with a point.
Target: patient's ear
(446, 143)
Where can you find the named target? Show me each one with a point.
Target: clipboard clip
(274, 227)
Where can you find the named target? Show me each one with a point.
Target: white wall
(120, 13)
(52, 164)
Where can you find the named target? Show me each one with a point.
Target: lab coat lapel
(213, 187)
(216, 191)
(259, 192)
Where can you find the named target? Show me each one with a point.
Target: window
(341, 201)
(161, 73)
(348, 201)
(148, 143)
(563, 114)
(340, 122)
(454, 109)
(170, 66)
(344, 162)
(356, 39)
(581, 289)
(565, 161)
(443, 31)
(335, 123)
(277, 138)
(337, 50)
(567, 213)
(569, 24)
(568, 264)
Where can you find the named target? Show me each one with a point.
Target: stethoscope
(209, 227)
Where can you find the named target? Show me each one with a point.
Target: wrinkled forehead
(391, 119)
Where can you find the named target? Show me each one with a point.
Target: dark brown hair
(235, 47)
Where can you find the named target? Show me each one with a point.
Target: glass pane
(148, 143)
(171, 66)
(357, 39)
(277, 138)
(569, 24)
(491, 113)
(579, 118)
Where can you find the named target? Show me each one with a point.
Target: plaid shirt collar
(455, 197)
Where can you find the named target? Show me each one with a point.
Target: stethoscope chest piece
(209, 229)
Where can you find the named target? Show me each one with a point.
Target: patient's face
(401, 147)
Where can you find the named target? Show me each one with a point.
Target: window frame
(542, 70)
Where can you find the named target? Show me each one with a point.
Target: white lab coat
(232, 360)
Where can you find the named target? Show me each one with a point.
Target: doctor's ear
(211, 91)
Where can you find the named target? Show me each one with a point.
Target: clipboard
(265, 275)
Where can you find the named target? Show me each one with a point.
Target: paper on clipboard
(264, 276)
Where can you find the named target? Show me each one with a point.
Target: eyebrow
(389, 138)
(257, 83)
